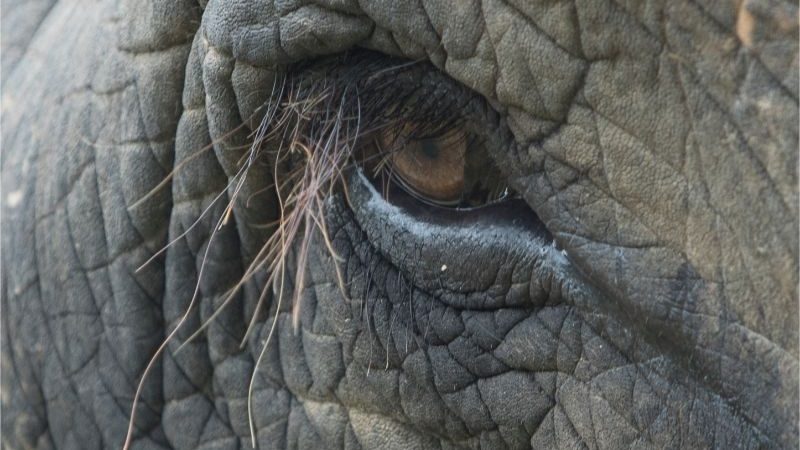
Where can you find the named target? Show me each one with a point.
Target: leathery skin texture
(646, 298)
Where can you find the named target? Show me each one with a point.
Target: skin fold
(640, 292)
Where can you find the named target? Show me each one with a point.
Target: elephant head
(399, 224)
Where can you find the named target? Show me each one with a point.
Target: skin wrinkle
(54, 407)
(727, 102)
(28, 19)
(746, 43)
(183, 262)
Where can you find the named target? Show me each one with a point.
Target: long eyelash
(322, 112)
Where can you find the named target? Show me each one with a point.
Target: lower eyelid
(432, 254)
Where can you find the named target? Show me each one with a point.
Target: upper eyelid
(383, 83)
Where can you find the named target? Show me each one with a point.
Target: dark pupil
(429, 148)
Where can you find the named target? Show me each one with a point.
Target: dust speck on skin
(13, 199)
(745, 22)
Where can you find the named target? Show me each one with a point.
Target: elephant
(356, 224)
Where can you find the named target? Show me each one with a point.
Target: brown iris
(448, 168)
(432, 167)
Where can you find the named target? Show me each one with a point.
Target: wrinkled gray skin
(656, 141)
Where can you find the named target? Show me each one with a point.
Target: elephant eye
(447, 169)
(413, 130)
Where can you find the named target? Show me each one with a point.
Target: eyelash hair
(312, 125)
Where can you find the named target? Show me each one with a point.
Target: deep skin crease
(642, 292)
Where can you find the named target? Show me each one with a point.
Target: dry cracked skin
(184, 182)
